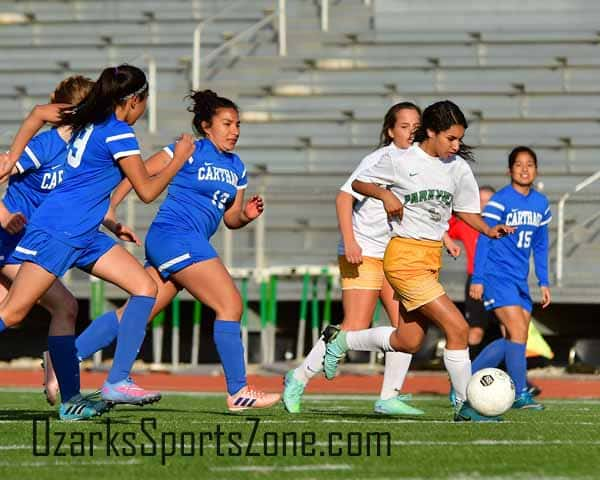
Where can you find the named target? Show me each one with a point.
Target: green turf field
(330, 442)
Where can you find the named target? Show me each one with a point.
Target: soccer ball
(491, 391)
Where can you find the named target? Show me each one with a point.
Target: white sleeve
(366, 162)
(466, 198)
(381, 173)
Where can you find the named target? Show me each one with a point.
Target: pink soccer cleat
(248, 398)
(128, 392)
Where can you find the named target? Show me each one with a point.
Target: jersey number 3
(524, 240)
(219, 199)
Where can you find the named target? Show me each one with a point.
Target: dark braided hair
(205, 106)
(439, 117)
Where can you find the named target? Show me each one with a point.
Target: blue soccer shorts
(170, 250)
(42, 248)
(503, 291)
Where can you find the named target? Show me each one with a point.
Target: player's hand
(353, 252)
(393, 206)
(14, 223)
(125, 233)
(476, 291)
(254, 207)
(546, 297)
(451, 247)
(184, 146)
(499, 231)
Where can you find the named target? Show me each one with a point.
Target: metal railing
(197, 61)
(561, 224)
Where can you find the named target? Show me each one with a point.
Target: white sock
(396, 368)
(370, 340)
(312, 364)
(458, 364)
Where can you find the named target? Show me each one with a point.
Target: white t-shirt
(369, 220)
(430, 188)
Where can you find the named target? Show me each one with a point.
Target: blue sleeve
(483, 246)
(243, 176)
(540, 249)
(122, 142)
(170, 149)
(492, 214)
(33, 156)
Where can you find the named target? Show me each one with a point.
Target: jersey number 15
(524, 240)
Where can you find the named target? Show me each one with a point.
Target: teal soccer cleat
(395, 406)
(335, 351)
(292, 393)
(82, 408)
(466, 413)
(525, 401)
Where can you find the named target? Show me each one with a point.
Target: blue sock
(2, 325)
(490, 356)
(66, 364)
(516, 365)
(99, 334)
(132, 331)
(228, 339)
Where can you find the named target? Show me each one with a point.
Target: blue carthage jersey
(202, 190)
(41, 168)
(75, 209)
(509, 255)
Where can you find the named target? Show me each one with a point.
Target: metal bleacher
(309, 117)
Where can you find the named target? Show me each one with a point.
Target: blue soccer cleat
(335, 351)
(525, 401)
(466, 413)
(292, 393)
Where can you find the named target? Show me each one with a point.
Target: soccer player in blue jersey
(37, 172)
(502, 268)
(63, 231)
(208, 188)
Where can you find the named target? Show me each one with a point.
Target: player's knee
(458, 333)
(475, 336)
(70, 308)
(147, 288)
(230, 310)
(410, 344)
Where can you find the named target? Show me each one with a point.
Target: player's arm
(476, 221)
(149, 187)
(239, 214)
(452, 247)
(30, 126)
(344, 203)
(391, 203)
(154, 165)
(540, 246)
(13, 223)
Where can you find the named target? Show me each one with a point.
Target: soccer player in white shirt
(365, 233)
(420, 189)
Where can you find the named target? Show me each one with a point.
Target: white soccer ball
(491, 391)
